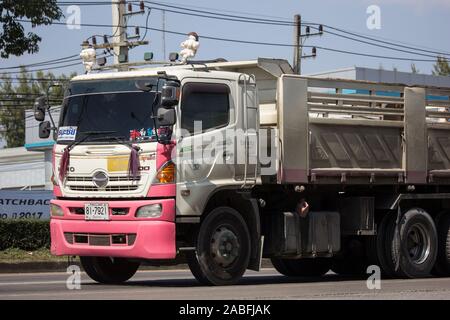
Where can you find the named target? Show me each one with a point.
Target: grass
(13, 255)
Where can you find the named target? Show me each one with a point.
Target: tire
(307, 267)
(388, 259)
(415, 250)
(379, 246)
(109, 270)
(353, 260)
(223, 248)
(281, 266)
(442, 265)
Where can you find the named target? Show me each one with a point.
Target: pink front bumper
(153, 238)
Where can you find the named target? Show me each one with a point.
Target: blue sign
(27, 204)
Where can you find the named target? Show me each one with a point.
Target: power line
(39, 63)
(45, 69)
(386, 42)
(195, 12)
(290, 23)
(248, 19)
(52, 68)
(261, 43)
(375, 44)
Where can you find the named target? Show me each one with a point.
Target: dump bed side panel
(353, 132)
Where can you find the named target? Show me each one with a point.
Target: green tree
(13, 40)
(441, 67)
(18, 94)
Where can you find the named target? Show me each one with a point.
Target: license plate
(96, 211)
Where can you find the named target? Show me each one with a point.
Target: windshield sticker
(142, 134)
(67, 133)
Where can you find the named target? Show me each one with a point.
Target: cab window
(207, 103)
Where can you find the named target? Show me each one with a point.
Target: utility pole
(297, 43)
(121, 42)
(164, 34)
(119, 30)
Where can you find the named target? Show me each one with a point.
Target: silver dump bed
(352, 132)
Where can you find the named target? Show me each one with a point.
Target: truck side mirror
(170, 94)
(44, 129)
(40, 106)
(165, 117)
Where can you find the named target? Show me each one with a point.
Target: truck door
(204, 150)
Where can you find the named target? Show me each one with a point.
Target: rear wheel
(306, 267)
(442, 265)
(109, 270)
(223, 248)
(377, 247)
(415, 249)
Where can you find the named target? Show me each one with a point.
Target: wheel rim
(418, 243)
(224, 246)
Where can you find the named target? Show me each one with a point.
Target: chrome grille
(114, 178)
(110, 188)
(116, 183)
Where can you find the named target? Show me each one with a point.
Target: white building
(28, 167)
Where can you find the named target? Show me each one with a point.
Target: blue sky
(418, 23)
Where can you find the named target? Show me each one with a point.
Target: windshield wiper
(65, 158)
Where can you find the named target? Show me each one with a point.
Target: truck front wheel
(109, 270)
(223, 248)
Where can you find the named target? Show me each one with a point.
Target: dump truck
(221, 164)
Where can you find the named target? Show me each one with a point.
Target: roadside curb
(61, 266)
(32, 266)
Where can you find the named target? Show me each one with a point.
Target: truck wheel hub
(418, 243)
(224, 246)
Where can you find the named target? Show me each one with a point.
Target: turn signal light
(56, 210)
(166, 173)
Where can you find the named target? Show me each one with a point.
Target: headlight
(150, 211)
(166, 174)
(56, 210)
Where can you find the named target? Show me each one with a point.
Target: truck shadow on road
(246, 281)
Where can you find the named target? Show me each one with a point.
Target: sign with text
(27, 204)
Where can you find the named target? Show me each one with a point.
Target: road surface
(179, 284)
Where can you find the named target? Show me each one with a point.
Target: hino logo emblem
(100, 179)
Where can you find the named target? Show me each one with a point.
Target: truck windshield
(113, 106)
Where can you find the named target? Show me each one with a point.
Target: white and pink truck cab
(120, 195)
